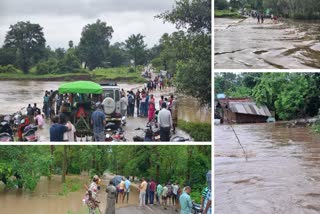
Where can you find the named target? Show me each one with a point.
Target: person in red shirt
(152, 190)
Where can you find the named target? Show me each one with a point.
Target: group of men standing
(171, 195)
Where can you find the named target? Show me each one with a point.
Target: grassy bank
(71, 185)
(198, 131)
(227, 14)
(101, 74)
(117, 74)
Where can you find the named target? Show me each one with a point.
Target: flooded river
(242, 44)
(282, 174)
(45, 198)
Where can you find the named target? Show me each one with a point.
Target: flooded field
(243, 44)
(15, 95)
(282, 174)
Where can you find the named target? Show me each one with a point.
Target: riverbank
(227, 14)
(197, 130)
(97, 75)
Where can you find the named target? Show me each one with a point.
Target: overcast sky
(63, 20)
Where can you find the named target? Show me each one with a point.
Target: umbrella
(81, 87)
(116, 180)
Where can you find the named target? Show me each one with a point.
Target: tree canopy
(185, 164)
(28, 41)
(94, 42)
(191, 51)
(136, 48)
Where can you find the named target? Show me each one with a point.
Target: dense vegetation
(307, 9)
(289, 95)
(187, 53)
(198, 131)
(185, 164)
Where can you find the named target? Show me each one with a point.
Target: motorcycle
(151, 133)
(6, 133)
(115, 126)
(27, 131)
(115, 135)
(14, 119)
(196, 208)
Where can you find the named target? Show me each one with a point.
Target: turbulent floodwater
(245, 44)
(282, 174)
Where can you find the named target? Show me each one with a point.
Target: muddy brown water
(244, 44)
(46, 200)
(15, 95)
(282, 174)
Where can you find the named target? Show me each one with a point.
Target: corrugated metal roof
(249, 108)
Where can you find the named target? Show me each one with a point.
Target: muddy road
(244, 44)
(282, 174)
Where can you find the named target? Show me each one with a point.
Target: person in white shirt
(123, 105)
(165, 123)
(70, 135)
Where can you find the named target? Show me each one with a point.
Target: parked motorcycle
(14, 119)
(151, 133)
(115, 135)
(196, 208)
(27, 131)
(6, 133)
(115, 126)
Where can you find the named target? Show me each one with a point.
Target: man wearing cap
(165, 122)
(98, 120)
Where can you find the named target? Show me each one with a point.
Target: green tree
(28, 41)
(195, 16)
(7, 56)
(94, 43)
(193, 75)
(136, 48)
(26, 163)
(220, 4)
(117, 55)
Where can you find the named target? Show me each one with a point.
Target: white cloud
(63, 20)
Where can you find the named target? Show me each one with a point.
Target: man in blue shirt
(98, 120)
(57, 130)
(127, 184)
(185, 201)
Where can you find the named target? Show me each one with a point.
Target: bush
(131, 70)
(47, 67)
(198, 131)
(8, 69)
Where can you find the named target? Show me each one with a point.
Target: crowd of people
(172, 195)
(166, 195)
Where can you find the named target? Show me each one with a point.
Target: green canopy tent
(81, 87)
